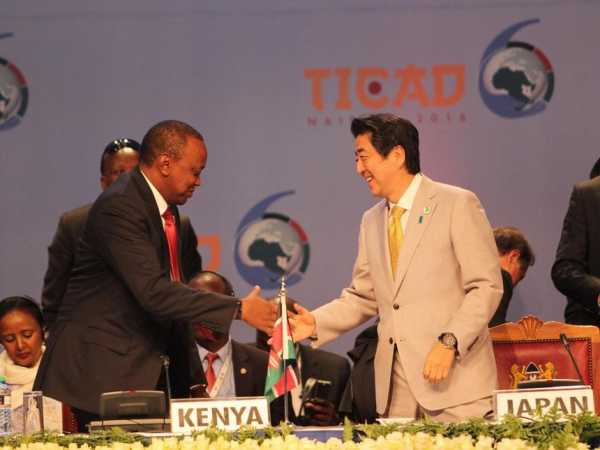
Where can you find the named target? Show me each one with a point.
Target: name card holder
(196, 414)
(525, 403)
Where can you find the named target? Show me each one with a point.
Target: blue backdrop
(504, 94)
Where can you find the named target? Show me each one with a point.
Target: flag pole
(283, 309)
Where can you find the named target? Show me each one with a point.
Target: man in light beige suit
(430, 272)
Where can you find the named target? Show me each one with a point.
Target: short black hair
(22, 303)
(113, 147)
(168, 136)
(596, 169)
(511, 238)
(226, 283)
(388, 131)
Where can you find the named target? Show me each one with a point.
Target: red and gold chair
(531, 348)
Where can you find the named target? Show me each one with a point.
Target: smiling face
(22, 337)
(386, 176)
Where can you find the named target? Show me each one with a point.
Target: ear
(514, 255)
(163, 163)
(399, 155)
(104, 182)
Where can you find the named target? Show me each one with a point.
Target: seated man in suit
(516, 256)
(232, 369)
(358, 402)
(321, 365)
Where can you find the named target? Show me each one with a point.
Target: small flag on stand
(281, 376)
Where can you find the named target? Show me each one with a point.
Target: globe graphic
(272, 244)
(10, 97)
(517, 72)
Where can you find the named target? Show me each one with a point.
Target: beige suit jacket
(448, 280)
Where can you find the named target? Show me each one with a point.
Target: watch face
(448, 340)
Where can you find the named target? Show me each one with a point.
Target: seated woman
(22, 335)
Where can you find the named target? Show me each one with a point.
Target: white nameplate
(524, 403)
(194, 414)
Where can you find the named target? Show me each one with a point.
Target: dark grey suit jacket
(119, 307)
(62, 252)
(322, 365)
(576, 270)
(249, 369)
(250, 372)
(358, 401)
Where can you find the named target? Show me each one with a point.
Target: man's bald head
(211, 282)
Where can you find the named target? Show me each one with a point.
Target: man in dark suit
(119, 156)
(576, 270)
(237, 370)
(358, 402)
(246, 366)
(321, 365)
(516, 256)
(124, 293)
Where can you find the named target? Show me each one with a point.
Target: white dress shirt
(227, 388)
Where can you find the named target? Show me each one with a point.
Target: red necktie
(210, 371)
(171, 235)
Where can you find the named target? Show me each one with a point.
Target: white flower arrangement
(393, 441)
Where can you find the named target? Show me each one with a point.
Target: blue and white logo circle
(14, 93)
(270, 245)
(516, 79)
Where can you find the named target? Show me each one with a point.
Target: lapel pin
(426, 210)
(243, 371)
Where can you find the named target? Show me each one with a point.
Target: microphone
(165, 364)
(565, 343)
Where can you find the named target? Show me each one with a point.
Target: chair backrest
(531, 344)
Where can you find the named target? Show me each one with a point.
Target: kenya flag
(282, 349)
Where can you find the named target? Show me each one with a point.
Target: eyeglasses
(118, 144)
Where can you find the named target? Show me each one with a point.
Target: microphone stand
(565, 343)
(282, 310)
(165, 364)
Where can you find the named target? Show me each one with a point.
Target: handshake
(262, 314)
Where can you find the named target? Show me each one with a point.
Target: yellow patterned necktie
(395, 236)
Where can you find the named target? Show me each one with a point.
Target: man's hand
(258, 312)
(303, 323)
(438, 363)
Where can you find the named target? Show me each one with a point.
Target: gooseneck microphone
(165, 365)
(565, 343)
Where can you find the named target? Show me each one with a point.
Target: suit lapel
(420, 216)
(158, 235)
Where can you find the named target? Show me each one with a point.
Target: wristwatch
(448, 340)
(238, 311)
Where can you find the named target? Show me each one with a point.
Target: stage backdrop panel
(504, 95)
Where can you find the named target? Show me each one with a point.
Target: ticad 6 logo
(270, 245)
(516, 78)
(14, 93)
